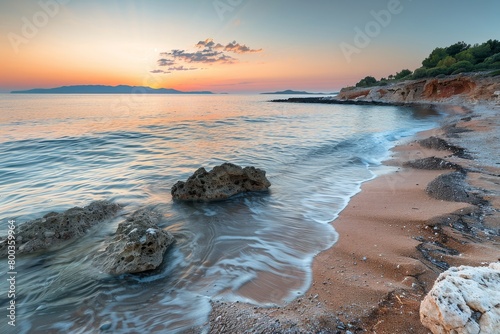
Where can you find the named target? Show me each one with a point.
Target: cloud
(182, 68)
(209, 45)
(208, 52)
(165, 62)
(205, 56)
(159, 71)
(239, 48)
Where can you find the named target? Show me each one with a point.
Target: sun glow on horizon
(254, 46)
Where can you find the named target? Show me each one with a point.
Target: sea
(62, 151)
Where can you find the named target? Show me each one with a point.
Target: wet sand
(394, 241)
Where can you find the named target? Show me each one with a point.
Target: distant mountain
(101, 89)
(294, 92)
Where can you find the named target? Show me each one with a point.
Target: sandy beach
(395, 239)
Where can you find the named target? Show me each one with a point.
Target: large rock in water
(464, 300)
(139, 245)
(54, 228)
(220, 183)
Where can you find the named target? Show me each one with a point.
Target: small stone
(105, 326)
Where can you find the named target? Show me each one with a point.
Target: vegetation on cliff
(456, 58)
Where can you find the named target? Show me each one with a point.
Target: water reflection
(64, 151)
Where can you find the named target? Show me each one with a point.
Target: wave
(256, 248)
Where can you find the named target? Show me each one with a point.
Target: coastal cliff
(454, 89)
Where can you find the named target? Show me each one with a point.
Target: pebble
(105, 326)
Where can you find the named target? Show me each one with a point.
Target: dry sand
(394, 241)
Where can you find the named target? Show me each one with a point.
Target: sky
(234, 46)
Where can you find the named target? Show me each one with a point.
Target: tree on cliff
(434, 58)
(456, 48)
(456, 58)
(403, 74)
(366, 82)
(460, 57)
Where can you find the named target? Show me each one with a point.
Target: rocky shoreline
(420, 224)
(440, 209)
(460, 90)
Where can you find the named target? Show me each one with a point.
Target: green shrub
(403, 74)
(465, 55)
(463, 65)
(436, 55)
(481, 67)
(367, 82)
(456, 48)
(447, 62)
(419, 73)
(493, 59)
(481, 52)
(495, 66)
(433, 72)
(494, 73)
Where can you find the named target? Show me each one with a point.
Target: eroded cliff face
(468, 88)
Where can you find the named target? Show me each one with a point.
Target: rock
(464, 300)
(432, 163)
(54, 228)
(440, 144)
(138, 245)
(220, 183)
(452, 187)
(105, 326)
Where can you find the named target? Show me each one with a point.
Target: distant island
(102, 89)
(296, 92)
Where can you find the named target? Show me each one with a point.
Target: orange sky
(257, 46)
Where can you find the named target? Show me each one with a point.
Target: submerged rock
(139, 245)
(220, 183)
(54, 228)
(464, 300)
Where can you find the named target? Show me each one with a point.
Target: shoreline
(394, 240)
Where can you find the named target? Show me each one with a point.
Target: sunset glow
(242, 46)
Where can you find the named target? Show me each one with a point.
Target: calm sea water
(61, 151)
